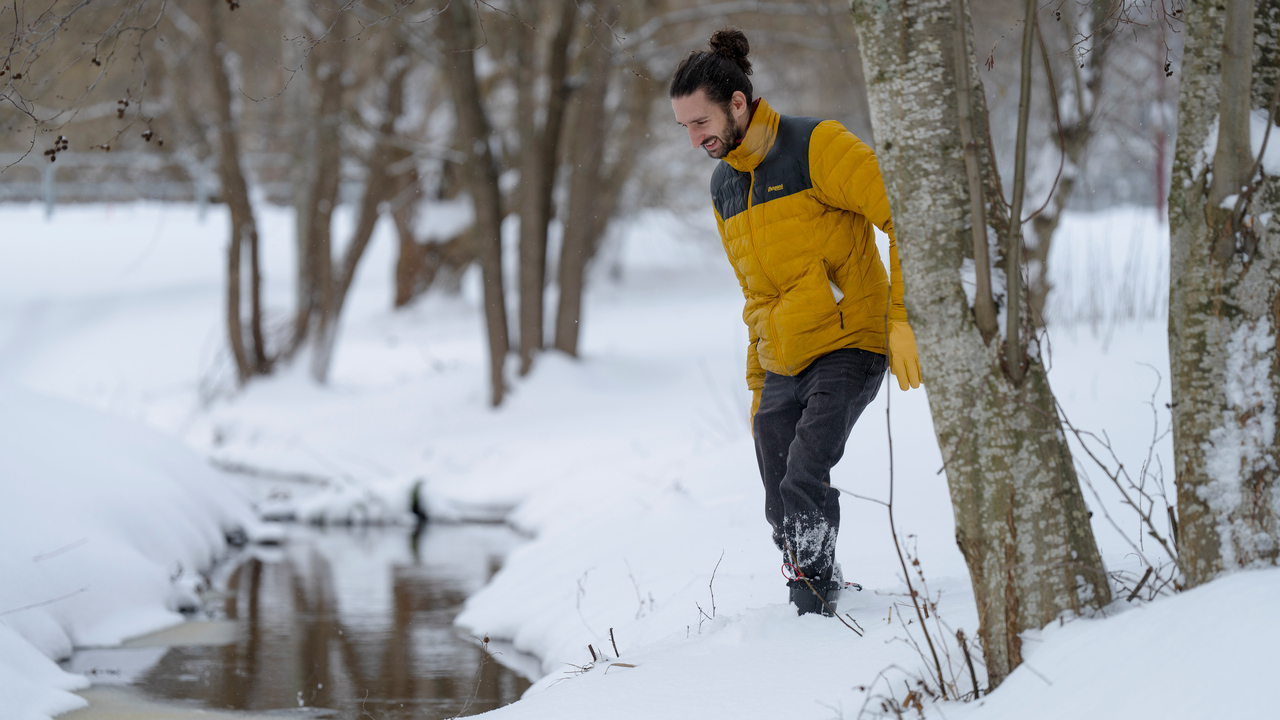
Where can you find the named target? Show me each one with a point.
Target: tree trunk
(456, 28)
(329, 58)
(262, 365)
(410, 261)
(422, 265)
(984, 306)
(299, 23)
(586, 158)
(1224, 296)
(235, 328)
(594, 187)
(538, 175)
(406, 194)
(419, 265)
(1015, 340)
(378, 188)
(1077, 102)
(235, 192)
(1021, 521)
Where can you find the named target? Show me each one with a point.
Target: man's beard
(729, 140)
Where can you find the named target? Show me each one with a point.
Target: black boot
(807, 601)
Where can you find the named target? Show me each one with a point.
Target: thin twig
(712, 583)
(968, 660)
(821, 598)
(1145, 576)
(860, 497)
(1115, 479)
(906, 574)
(1057, 116)
(475, 680)
(39, 557)
(32, 606)
(855, 625)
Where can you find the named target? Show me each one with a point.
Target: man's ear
(738, 101)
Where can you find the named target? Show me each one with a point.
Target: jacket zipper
(751, 231)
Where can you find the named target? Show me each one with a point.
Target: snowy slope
(631, 467)
(106, 527)
(1206, 653)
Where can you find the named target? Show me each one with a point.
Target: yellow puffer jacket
(795, 203)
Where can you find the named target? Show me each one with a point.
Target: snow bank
(680, 580)
(32, 687)
(1209, 652)
(106, 527)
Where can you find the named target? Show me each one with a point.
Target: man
(795, 200)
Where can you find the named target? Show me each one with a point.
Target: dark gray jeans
(800, 431)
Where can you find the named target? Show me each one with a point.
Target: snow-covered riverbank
(107, 529)
(632, 468)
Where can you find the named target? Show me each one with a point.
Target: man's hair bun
(732, 44)
(721, 72)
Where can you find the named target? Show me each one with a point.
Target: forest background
(313, 105)
(514, 149)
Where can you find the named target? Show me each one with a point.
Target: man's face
(710, 127)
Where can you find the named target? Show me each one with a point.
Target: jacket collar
(761, 133)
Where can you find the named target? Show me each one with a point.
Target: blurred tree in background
(318, 105)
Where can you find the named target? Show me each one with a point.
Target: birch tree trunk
(1224, 306)
(1021, 521)
(456, 29)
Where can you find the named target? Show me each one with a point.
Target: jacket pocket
(837, 295)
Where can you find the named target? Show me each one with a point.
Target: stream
(333, 623)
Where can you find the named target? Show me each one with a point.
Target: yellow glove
(904, 360)
(755, 405)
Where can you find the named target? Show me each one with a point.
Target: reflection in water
(359, 621)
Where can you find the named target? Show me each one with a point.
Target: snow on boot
(837, 577)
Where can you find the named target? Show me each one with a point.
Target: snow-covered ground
(107, 529)
(632, 468)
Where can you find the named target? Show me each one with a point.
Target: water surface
(344, 623)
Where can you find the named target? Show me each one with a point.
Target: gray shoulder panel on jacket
(729, 190)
